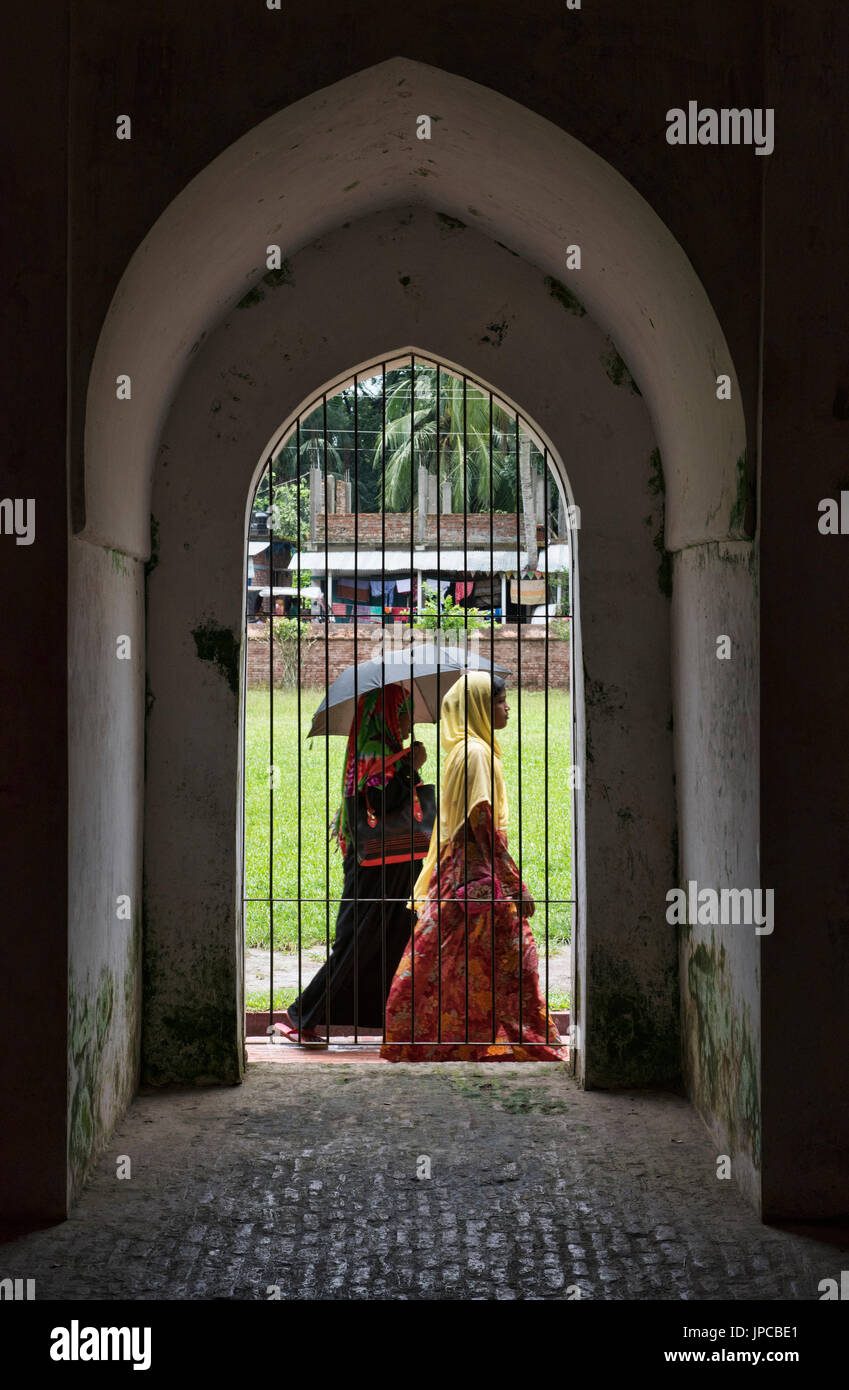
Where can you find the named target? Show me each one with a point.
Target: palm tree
(464, 433)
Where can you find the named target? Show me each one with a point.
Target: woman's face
(500, 710)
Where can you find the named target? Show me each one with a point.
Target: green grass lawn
(301, 792)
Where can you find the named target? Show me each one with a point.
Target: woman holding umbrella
(374, 922)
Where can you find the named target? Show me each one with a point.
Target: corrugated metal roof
(402, 561)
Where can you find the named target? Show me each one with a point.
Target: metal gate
(406, 510)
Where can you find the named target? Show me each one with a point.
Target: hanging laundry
(403, 585)
(443, 584)
(377, 588)
(353, 593)
(463, 588)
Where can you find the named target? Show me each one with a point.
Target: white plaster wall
(347, 306)
(717, 760)
(350, 149)
(106, 708)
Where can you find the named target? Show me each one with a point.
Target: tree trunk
(528, 503)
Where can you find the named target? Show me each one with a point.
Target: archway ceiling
(352, 149)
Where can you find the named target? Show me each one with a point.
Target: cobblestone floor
(305, 1178)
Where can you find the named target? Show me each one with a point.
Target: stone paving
(306, 1179)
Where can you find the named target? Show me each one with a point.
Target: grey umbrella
(417, 667)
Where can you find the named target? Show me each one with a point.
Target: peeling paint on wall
(221, 646)
(498, 331)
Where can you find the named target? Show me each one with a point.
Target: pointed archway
(483, 217)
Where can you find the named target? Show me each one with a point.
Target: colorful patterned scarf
(374, 746)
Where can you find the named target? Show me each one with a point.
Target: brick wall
(340, 529)
(341, 654)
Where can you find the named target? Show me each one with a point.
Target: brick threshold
(260, 1048)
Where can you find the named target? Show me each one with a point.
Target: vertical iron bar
(466, 691)
(491, 714)
(519, 706)
(356, 502)
(383, 988)
(545, 725)
(413, 481)
(438, 723)
(327, 615)
(270, 529)
(298, 695)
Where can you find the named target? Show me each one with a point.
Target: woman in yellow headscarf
(467, 986)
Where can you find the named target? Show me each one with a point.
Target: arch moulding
(351, 149)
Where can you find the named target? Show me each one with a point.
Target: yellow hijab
(473, 771)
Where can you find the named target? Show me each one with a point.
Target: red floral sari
(432, 1028)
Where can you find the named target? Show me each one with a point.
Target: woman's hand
(419, 753)
(527, 906)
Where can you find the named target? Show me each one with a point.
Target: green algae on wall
(451, 224)
(150, 565)
(741, 501)
(99, 1092)
(723, 1058)
(616, 370)
(191, 1027)
(253, 297)
(277, 278)
(219, 645)
(657, 487)
(634, 1037)
(119, 562)
(569, 301)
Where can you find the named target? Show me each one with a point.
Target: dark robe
(370, 936)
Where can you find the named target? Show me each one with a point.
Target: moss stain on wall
(193, 1043)
(564, 297)
(616, 370)
(657, 488)
(634, 1039)
(221, 646)
(722, 1056)
(741, 501)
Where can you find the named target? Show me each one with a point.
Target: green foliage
(256, 1001)
(283, 519)
(286, 633)
(453, 618)
(453, 442)
(356, 438)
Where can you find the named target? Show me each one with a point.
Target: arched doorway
(472, 264)
(408, 507)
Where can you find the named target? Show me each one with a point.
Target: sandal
(307, 1039)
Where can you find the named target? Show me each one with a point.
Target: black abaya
(371, 933)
